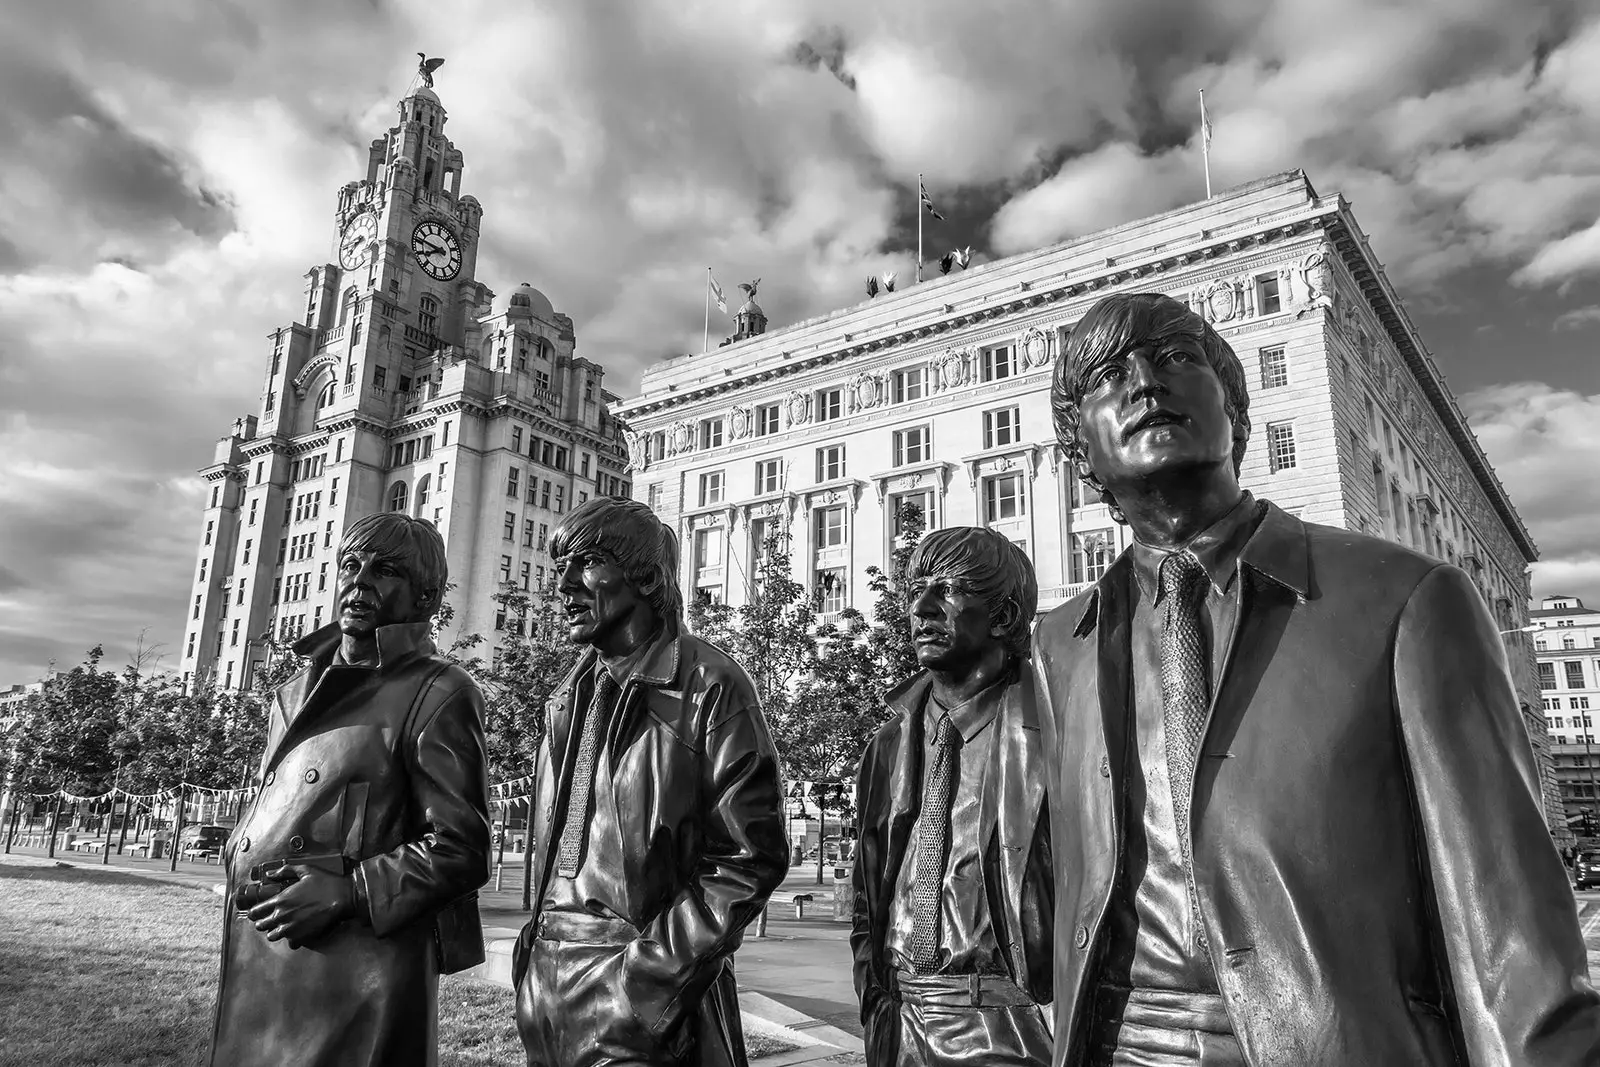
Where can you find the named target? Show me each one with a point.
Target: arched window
(428, 315)
(347, 305)
(325, 397)
(422, 492)
(397, 497)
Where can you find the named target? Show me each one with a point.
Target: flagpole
(705, 338)
(1205, 142)
(919, 228)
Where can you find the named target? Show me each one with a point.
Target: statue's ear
(1003, 618)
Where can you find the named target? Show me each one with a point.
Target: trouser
(966, 1020)
(1162, 1028)
(572, 1010)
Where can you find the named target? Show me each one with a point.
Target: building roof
(1546, 613)
(526, 298)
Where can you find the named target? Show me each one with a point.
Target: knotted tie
(577, 816)
(933, 845)
(1185, 688)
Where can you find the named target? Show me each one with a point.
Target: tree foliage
(532, 661)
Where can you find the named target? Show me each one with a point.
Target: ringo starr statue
(658, 830)
(952, 931)
(352, 877)
(1295, 810)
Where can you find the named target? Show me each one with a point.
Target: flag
(716, 293)
(927, 201)
(1205, 123)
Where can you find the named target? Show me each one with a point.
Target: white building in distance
(939, 395)
(401, 388)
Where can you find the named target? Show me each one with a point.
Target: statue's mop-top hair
(642, 545)
(1111, 327)
(994, 568)
(414, 545)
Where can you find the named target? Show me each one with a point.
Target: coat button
(271, 776)
(1105, 767)
(1081, 937)
(311, 775)
(244, 844)
(297, 843)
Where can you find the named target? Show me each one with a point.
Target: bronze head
(1128, 360)
(969, 586)
(614, 559)
(392, 569)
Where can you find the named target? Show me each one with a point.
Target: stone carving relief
(680, 438)
(739, 423)
(867, 390)
(797, 406)
(638, 450)
(1222, 302)
(1035, 348)
(1316, 274)
(951, 370)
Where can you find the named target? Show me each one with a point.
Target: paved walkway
(795, 983)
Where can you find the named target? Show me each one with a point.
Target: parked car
(1586, 870)
(211, 838)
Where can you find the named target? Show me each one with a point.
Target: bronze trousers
(1164, 1028)
(968, 1020)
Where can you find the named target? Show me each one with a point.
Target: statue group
(1261, 796)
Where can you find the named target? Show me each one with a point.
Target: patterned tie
(577, 816)
(933, 845)
(1185, 689)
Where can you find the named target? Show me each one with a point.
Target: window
(203, 570)
(830, 463)
(322, 578)
(524, 573)
(999, 363)
(908, 385)
(422, 491)
(1002, 427)
(766, 420)
(914, 445)
(900, 512)
(428, 314)
(380, 375)
(513, 480)
(260, 471)
(1275, 368)
(1580, 704)
(253, 504)
(711, 433)
(1372, 418)
(247, 546)
(544, 535)
(516, 439)
(1569, 642)
(583, 466)
(215, 489)
(1388, 440)
(830, 527)
(347, 305)
(505, 569)
(1268, 300)
(710, 488)
(333, 493)
(830, 404)
(210, 526)
(1547, 676)
(1574, 671)
(234, 640)
(830, 590)
(541, 379)
(283, 549)
(190, 650)
(397, 496)
(1280, 446)
(769, 476)
(1091, 555)
(508, 528)
(197, 607)
(1003, 498)
(561, 498)
(652, 496)
(707, 549)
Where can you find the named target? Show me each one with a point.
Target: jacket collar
(396, 642)
(1276, 551)
(657, 666)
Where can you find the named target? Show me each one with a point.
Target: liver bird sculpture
(750, 288)
(427, 67)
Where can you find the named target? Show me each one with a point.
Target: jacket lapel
(1014, 787)
(1114, 664)
(906, 798)
(558, 719)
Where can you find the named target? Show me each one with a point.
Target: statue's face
(375, 591)
(1154, 409)
(950, 625)
(597, 597)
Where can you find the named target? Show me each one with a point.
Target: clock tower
(399, 387)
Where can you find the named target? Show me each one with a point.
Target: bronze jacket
(703, 825)
(384, 766)
(1014, 827)
(1375, 878)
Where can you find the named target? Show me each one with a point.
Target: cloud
(1545, 445)
(1578, 318)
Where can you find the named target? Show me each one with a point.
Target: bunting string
(515, 789)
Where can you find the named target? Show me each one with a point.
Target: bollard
(499, 875)
(761, 922)
(800, 902)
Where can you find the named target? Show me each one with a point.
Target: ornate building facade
(404, 387)
(1566, 647)
(938, 395)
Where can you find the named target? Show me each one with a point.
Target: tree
(529, 665)
(66, 738)
(890, 638)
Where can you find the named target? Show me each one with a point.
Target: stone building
(1566, 642)
(404, 387)
(938, 395)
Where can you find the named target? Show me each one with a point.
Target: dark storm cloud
(824, 50)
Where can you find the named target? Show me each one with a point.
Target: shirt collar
(1217, 547)
(972, 717)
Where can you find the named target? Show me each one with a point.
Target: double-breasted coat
(699, 810)
(384, 766)
(1374, 874)
(1014, 828)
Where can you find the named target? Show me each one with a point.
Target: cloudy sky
(169, 172)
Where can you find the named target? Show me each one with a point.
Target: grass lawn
(99, 968)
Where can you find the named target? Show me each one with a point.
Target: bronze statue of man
(1296, 815)
(352, 877)
(657, 828)
(952, 932)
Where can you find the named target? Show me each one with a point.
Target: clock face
(355, 244)
(437, 250)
